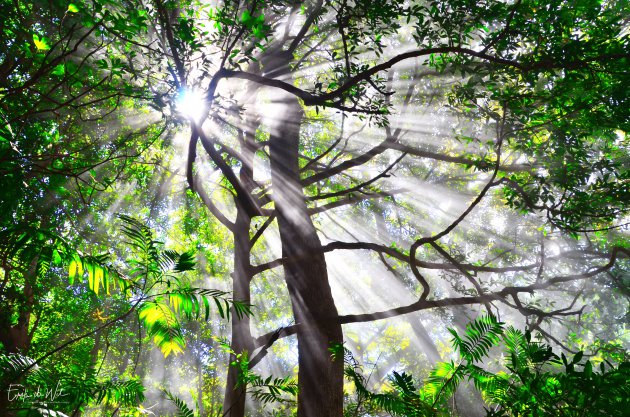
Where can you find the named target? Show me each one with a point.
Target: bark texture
(320, 379)
(234, 400)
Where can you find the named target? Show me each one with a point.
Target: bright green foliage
(539, 383)
(182, 409)
(266, 390)
(65, 390)
(154, 283)
(24, 245)
(536, 382)
(157, 272)
(481, 335)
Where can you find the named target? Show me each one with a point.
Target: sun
(192, 104)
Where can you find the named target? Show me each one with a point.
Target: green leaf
(72, 271)
(73, 8)
(42, 44)
(59, 70)
(246, 17)
(162, 324)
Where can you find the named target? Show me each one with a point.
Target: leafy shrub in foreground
(535, 382)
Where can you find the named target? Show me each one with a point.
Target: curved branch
(310, 99)
(243, 197)
(412, 250)
(207, 201)
(394, 253)
(358, 187)
(452, 301)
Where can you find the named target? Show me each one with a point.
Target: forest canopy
(320, 208)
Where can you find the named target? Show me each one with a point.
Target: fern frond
(162, 324)
(185, 262)
(140, 236)
(404, 400)
(515, 347)
(15, 364)
(402, 383)
(191, 301)
(24, 245)
(125, 393)
(182, 409)
(271, 389)
(443, 380)
(492, 386)
(481, 334)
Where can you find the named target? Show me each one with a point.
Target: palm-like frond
(25, 246)
(162, 325)
(191, 302)
(516, 347)
(182, 409)
(442, 381)
(481, 334)
(177, 262)
(492, 386)
(270, 389)
(404, 400)
(15, 365)
(119, 393)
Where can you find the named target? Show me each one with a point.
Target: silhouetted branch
(207, 201)
(358, 187)
(394, 253)
(424, 304)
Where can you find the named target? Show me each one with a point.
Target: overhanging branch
(425, 304)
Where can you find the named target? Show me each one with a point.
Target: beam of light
(361, 283)
(192, 104)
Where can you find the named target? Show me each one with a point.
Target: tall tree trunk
(17, 338)
(320, 379)
(234, 400)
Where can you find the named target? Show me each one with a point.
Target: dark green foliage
(565, 100)
(47, 391)
(537, 382)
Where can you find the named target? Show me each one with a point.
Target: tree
(538, 114)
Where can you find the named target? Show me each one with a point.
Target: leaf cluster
(535, 382)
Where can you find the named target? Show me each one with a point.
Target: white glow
(192, 104)
(445, 205)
